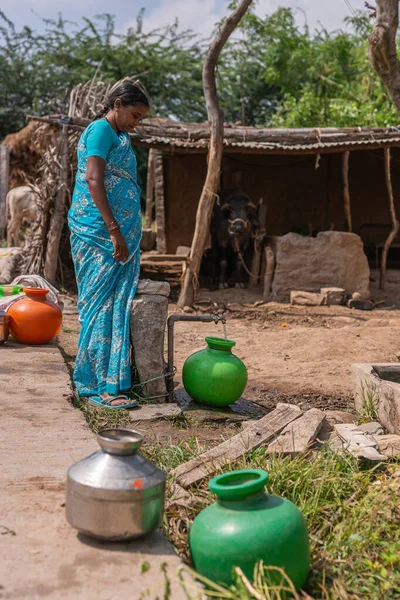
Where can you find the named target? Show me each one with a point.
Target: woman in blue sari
(106, 227)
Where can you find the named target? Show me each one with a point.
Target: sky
(198, 15)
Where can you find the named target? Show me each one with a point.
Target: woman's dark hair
(129, 94)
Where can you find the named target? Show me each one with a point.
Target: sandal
(105, 402)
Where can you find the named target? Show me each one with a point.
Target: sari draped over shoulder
(106, 287)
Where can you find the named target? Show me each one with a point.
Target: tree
(211, 184)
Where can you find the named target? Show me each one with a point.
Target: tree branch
(383, 51)
(211, 184)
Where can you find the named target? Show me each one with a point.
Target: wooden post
(346, 190)
(395, 223)
(215, 150)
(160, 202)
(258, 243)
(269, 272)
(150, 189)
(4, 183)
(58, 216)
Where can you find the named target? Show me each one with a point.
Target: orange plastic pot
(34, 319)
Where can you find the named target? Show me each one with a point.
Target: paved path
(41, 435)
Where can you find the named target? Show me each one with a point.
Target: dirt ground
(301, 355)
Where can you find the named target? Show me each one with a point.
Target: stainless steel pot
(115, 494)
(4, 326)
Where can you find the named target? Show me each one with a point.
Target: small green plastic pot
(245, 526)
(214, 376)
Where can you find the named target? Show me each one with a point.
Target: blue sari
(106, 287)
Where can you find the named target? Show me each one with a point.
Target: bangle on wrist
(115, 228)
(112, 223)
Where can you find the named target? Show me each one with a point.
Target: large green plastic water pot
(214, 376)
(247, 525)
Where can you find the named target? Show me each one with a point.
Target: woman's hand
(121, 252)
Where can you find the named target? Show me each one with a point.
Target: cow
(232, 227)
(22, 205)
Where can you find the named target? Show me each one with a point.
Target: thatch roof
(172, 136)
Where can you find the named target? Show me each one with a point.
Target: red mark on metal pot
(137, 484)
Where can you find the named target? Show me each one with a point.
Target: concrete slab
(41, 555)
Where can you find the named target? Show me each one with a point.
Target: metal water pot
(115, 494)
(4, 326)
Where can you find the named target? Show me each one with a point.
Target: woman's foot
(117, 400)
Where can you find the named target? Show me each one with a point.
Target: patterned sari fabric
(106, 287)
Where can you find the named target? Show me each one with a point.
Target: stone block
(154, 412)
(333, 258)
(307, 298)
(334, 295)
(378, 386)
(372, 428)
(149, 314)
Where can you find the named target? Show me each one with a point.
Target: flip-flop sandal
(105, 402)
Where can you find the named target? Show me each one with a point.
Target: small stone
(373, 428)
(389, 445)
(307, 298)
(360, 304)
(334, 417)
(334, 295)
(188, 309)
(356, 296)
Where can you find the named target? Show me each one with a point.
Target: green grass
(353, 516)
(368, 412)
(102, 418)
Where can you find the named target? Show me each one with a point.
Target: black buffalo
(233, 226)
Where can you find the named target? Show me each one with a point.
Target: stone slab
(41, 555)
(307, 298)
(298, 435)
(241, 410)
(334, 295)
(372, 428)
(333, 258)
(358, 443)
(154, 412)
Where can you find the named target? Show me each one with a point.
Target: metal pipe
(170, 324)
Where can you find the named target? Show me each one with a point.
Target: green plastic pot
(247, 525)
(214, 376)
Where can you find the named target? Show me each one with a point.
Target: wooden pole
(346, 189)
(58, 217)
(395, 223)
(160, 202)
(254, 280)
(210, 188)
(4, 184)
(150, 188)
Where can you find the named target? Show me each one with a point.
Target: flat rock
(334, 295)
(389, 444)
(154, 412)
(372, 428)
(298, 435)
(241, 410)
(359, 444)
(307, 298)
(332, 259)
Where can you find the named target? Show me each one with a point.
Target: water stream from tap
(224, 326)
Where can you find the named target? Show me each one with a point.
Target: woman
(106, 227)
